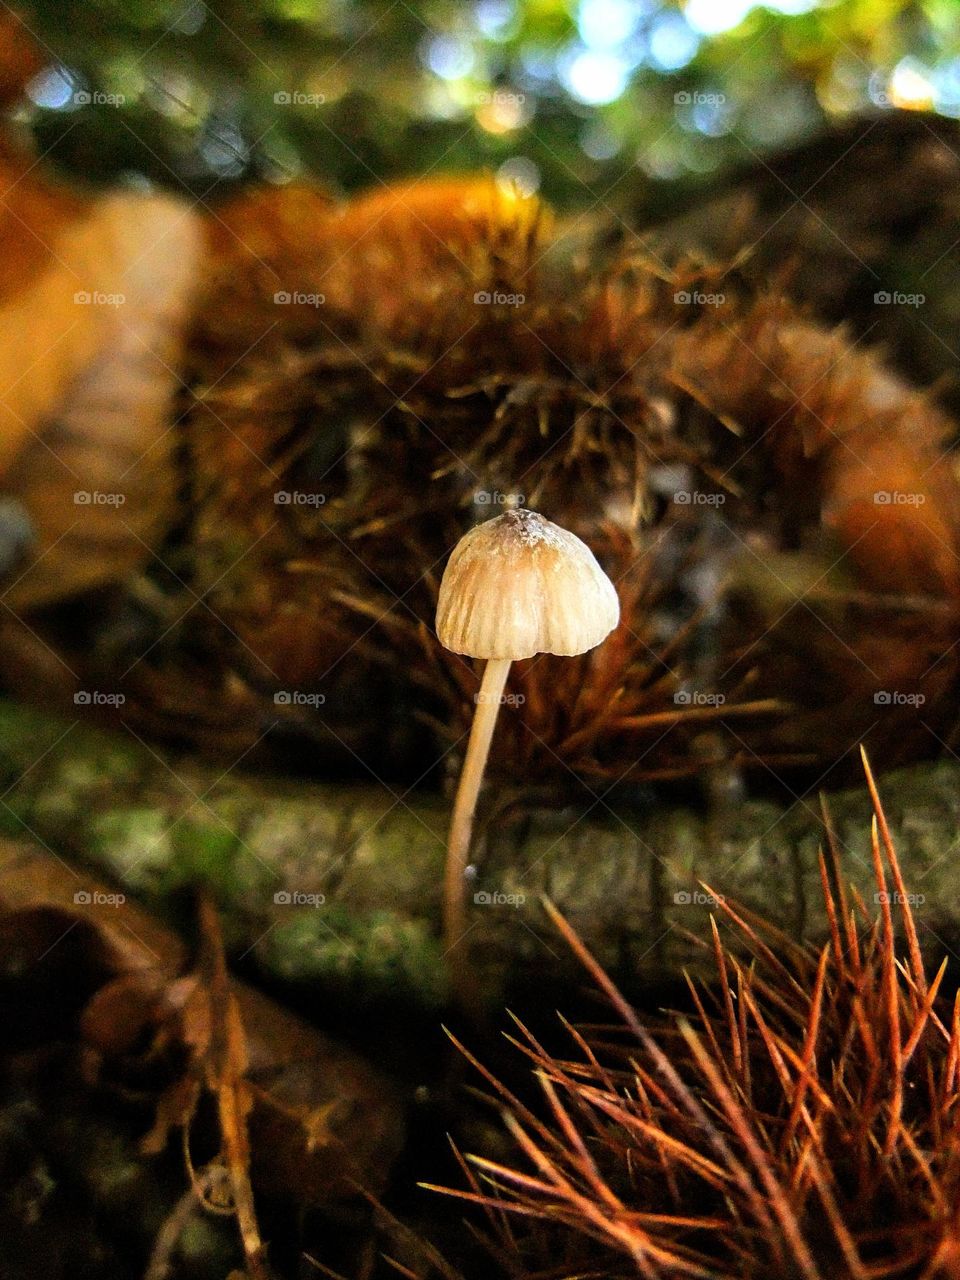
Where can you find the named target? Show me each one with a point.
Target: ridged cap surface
(520, 585)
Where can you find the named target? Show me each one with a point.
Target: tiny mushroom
(514, 586)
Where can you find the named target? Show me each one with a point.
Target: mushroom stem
(468, 789)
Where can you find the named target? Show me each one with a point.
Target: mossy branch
(342, 883)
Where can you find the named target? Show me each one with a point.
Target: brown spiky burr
(721, 452)
(799, 1120)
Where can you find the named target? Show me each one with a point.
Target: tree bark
(341, 885)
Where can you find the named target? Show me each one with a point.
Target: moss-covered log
(341, 884)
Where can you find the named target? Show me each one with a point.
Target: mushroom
(513, 587)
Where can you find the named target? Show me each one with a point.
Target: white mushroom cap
(520, 585)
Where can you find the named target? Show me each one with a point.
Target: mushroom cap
(520, 585)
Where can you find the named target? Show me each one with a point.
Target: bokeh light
(574, 86)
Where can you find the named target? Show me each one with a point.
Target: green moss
(377, 951)
(201, 851)
(133, 844)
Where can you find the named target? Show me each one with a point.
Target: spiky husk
(800, 1121)
(761, 616)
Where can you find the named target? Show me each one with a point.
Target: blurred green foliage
(572, 95)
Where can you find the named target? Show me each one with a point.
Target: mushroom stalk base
(465, 803)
